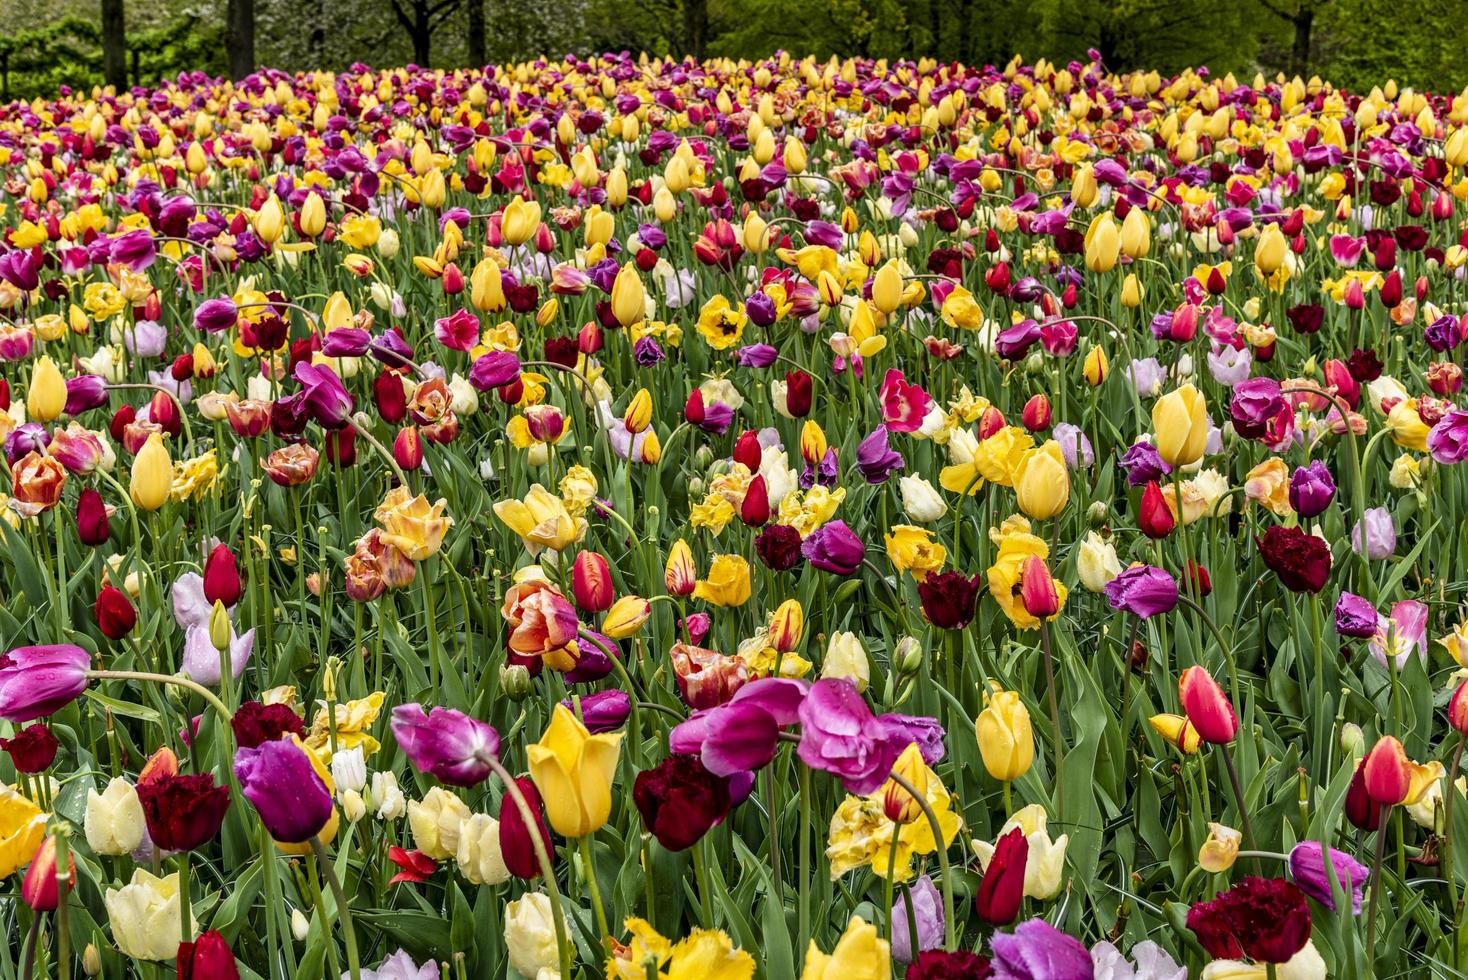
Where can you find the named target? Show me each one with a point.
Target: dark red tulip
(91, 519)
(116, 616)
(183, 812)
(516, 844)
(1154, 517)
(680, 801)
(1301, 560)
(1391, 289)
(1002, 888)
(1265, 919)
(121, 419)
(1200, 585)
(255, 723)
(341, 446)
(389, 396)
(748, 451)
(693, 410)
(1363, 812)
(562, 351)
(206, 958)
(222, 577)
(797, 393)
(778, 547)
(32, 749)
(938, 964)
(948, 599)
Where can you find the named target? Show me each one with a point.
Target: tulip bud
(1353, 740)
(1270, 252)
(115, 614)
(626, 617)
(629, 299)
(300, 926)
(1154, 517)
(1207, 707)
(1387, 773)
(887, 288)
(591, 582)
(908, 655)
(312, 219)
(91, 959)
(755, 509)
(1096, 367)
(1036, 413)
(898, 803)
(1037, 589)
(152, 475)
(222, 576)
(219, 627)
(515, 681)
(1131, 292)
(407, 449)
(1458, 709)
(639, 411)
(40, 888)
(787, 626)
(46, 396)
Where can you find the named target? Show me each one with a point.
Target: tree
(1302, 20)
(477, 58)
(240, 37)
(695, 26)
(420, 18)
(114, 44)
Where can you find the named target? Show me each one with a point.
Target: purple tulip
(876, 460)
(760, 309)
(215, 315)
(279, 779)
(926, 732)
(84, 392)
(1307, 869)
(604, 711)
(494, 369)
(841, 736)
(1254, 404)
(326, 398)
(41, 680)
(1036, 950)
(28, 437)
(134, 249)
(445, 743)
(345, 342)
(1442, 334)
(835, 548)
(1014, 342)
(1355, 617)
(593, 659)
(1448, 440)
(826, 473)
(1142, 590)
(756, 355)
(391, 349)
(1143, 464)
(18, 268)
(1311, 489)
(927, 914)
(742, 735)
(1379, 532)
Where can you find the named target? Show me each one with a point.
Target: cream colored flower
(114, 819)
(1045, 866)
(144, 915)
(435, 821)
(479, 857)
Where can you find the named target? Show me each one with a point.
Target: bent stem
(558, 918)
(143, 675)
(942, 848)
(1233, 778)
(1375, 893)
(343, 909)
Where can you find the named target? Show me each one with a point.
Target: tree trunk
(114, 44)
(695, 26)
(1300, 54)
(477, 57)
(240, 37)
(422, 36)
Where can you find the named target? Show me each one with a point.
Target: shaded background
(1358, 43)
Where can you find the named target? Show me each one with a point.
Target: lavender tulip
(1036, 950)
(1074, 446)
(927, 914)
(215, 315)
(756, 355)
(1355, 617)
(281, 781)
(1143, 590)
(38, 681)
(445, 743)
(1378, 533)
(201, 660)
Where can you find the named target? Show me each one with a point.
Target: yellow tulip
(486, 287)
(573, 770)
(313, 215)
(859, 955)
(152, 475)
(520, 221)
(1006, 741)
(830, 288)
(411, 524)
(639, 411)
(1220, 850)
(1131, 291)
(22, 827)
(900, 805)
(1042, 483)
(541, 520)
(1270, 253)
(887, 288)
(46, 397)
(144, 915)
(914, 549)
(756, 234)
(787, 626)
(629, 298)
(626, 617)
(1180, 421)
(1096, 367)
(727, 583)
(1176, 730)
(1102, 244)
(1083, 189)
(680, 573)
(270, 221)
(1136, 234)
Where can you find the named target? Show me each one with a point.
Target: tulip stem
(1451, 793)
(942, 848)
(537, 841)
(1233, 778)
(583, 844)
(1059, 746)
(1228, 651)
(142, 675)
(1375, 893)
(184, 906)
(28, 958)
(701, 872)
(343, 908)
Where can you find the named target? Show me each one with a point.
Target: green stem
(343, 908)
(949, 939)
(583, 844)
(558, 918)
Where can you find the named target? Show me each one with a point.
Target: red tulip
(206, 958)
(1387, 773)
(1036, 414)
(1363, 812)
(416, 865)
(1458, 709)
(1037, 589)
(39, 889)
(748, 451)
(591, 582)
(755, 511)
(407, 448)
(221, 577)
(390, 398)
(515, 842)
(1002, 888)
(32, 749)
(1154, 517)
(1207, 707)
(116, 616)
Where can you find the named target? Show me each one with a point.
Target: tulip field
(672, 520)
